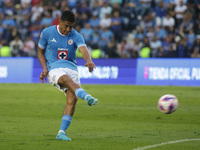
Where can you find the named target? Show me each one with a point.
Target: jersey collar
(57, 27)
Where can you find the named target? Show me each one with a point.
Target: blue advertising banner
(108, 71)
(181, 72)
(16, 70)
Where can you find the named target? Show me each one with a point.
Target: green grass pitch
(125, 118)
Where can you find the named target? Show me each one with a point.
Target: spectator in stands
(64, 6)
(115, 7)
(150, 33)
(196, 44)
(160, 10)
(183, 50)
(95, 40)
(9, 8)
(36, 11)
(29, 47)
(171, 32)
(4, 49)
(46, 20)
(155, 46)
(179, 11)
(25, 25)
(146, 42)
(107, 40)
(137, 46)
(25, 2)
(191, 36)
(96, 8)
(106, 21)
(128, 15)
(55, 12)
(35, 32)
(1, 17)
(147, 22)
(94, 21)
(166, 44)
(161, 32)
(187, 22)
(14, 33)
(35, 2)
(18, 15)
(168, 21)
(181, 32)
(125, 49)
(72, 4)
(143, 8)
(87, 33)
(16, 46)
(84, 19)
(177, 2)
(113, 2)
(1, 31)
(84, 9)
(79, 21)
(7, 34)
(116, 26)
(140, 34)
(195, 53)
(170, 9)
(8, 21)
(106, 9)
(25, 15)
(171, 53)
(56, 19)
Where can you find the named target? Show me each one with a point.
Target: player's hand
(90, 66)
(43, 76)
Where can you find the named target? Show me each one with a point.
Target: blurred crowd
(111, 28)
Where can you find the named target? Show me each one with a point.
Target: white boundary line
(165, 143)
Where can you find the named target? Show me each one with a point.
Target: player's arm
(42, 60)
(86, 56)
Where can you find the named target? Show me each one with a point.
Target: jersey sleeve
(80, 40)
(43, 39)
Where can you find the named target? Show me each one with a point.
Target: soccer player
(56, 53)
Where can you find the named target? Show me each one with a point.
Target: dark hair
(68, 16)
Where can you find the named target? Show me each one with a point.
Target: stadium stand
(118, 28)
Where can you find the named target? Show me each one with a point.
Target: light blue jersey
(60, 50)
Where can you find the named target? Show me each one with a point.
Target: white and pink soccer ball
(168, 103)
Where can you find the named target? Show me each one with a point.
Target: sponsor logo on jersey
(62, 55)
(70, 42)
(53, 40)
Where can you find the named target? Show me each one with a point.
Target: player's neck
(60, 32)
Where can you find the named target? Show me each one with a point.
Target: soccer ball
(168, 103)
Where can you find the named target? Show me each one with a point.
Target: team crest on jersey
(70, 42)
(63, 55)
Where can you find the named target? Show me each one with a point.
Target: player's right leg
(64, 78)
(67, 81)
(87, 97)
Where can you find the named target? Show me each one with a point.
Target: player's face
(65, 27)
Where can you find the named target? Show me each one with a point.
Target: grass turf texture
(125, 118)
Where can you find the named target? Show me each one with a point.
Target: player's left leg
(68, 112)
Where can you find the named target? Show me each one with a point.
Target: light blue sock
(80, 93)
(66, 120)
